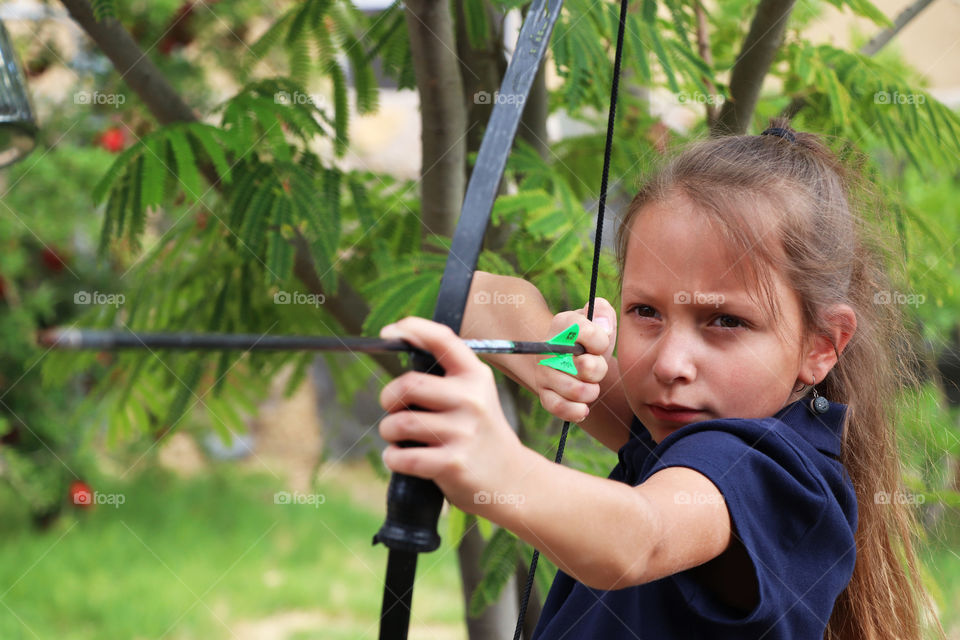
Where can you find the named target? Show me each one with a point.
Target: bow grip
(413, 504)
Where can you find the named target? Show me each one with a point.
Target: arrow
(106, 340)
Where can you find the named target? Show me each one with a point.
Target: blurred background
(258, 167)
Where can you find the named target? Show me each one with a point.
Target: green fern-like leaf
(499, 562)
(186, 165)
(279, 251)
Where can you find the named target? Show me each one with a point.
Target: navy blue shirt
(791, 503)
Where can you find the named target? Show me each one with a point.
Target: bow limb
(413, 504)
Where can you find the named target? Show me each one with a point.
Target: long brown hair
(793, 207)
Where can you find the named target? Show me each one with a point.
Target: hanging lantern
(18, 129)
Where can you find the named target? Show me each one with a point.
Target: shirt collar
(823, 431)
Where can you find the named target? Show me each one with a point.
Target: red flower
(81, 494)
(113, 140)
(52, 260)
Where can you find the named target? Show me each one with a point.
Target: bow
(413, 504)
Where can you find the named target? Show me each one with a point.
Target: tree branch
(871, 48)
(442, 114)
(752, 65)
(703, 48)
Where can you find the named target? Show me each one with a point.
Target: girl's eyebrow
(694, 297)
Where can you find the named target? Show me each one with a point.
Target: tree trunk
(442, 114)
(759, 48)
(496, 621)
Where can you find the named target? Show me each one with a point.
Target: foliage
(209, 217)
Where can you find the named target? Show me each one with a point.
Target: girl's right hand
(569, 397)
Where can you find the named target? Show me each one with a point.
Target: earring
(819, 404)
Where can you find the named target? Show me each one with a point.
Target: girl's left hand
(470, 445)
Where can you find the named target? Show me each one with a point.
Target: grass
(202, 559)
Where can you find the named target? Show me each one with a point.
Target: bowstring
(595, 270)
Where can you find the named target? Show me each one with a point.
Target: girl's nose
(673, 357)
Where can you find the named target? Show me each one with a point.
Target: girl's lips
(673, 415)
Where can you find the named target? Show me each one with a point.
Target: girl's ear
(821, 355)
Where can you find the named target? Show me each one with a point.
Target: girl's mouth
(683, 414)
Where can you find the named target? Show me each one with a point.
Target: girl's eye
(727, 321)
(642, 310)
(738, 322)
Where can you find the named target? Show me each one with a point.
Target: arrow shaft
(104, 340)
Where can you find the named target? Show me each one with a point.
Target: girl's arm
(604, 533)
(512, 308)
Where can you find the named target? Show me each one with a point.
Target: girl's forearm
(599, 531)
(512, 309)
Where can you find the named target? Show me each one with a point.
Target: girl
(749, 276)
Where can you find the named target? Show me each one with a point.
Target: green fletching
(563, 362)
(566, 337)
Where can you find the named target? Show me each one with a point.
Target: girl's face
(690, 333)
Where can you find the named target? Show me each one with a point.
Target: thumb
(605, 316)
